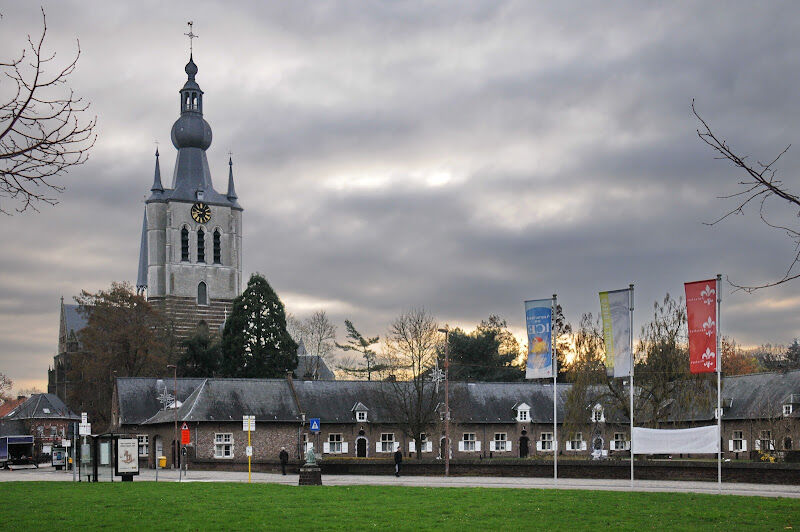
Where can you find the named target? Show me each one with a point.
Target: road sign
(249, 451)
(313, 424)
(251, 426)
(185, 426)
(84, 417)
(186, 437)
(85, 429)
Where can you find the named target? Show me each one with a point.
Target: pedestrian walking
(398, 459)
(284, 458)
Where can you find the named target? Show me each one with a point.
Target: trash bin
(162, 462)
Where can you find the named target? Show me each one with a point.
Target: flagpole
(633, 360)
(554, 360)
(719, 388)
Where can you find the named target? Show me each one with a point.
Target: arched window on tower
(202, 294)
(185, 245)
(194, 101)
(201, 245)
(217, 247)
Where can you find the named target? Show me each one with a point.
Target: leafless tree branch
(760, 185)
(43, 132)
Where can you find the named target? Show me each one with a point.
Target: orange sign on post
(186, 437)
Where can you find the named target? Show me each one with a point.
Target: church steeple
(157, 186)
(231, 190)
(141, 278)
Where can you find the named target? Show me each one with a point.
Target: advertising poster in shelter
(701, 315)
(538, 322)
(127, 456)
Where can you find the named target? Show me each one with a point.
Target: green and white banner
(615, 309)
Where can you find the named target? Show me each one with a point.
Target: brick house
(489, 420)
(42, 415)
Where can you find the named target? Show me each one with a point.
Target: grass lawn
(196, 506)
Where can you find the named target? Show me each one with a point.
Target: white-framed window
(335, 443)
(787, 410)
(426, 445)
(468, 441)
(620, 442)
(765, 442)
(598, 416)
(361, 415)
(500, 442)
(546, 441)
(523, 413)
(737, 442)
(144, 444)
(576, 443)
(223, 445)
(386, 445)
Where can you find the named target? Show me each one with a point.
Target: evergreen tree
(486, 354)
(362, 345)
(255, 342)
(201, 358)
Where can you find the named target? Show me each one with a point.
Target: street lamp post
(176, 456)
(446, 332)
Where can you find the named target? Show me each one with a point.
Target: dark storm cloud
(461, 156)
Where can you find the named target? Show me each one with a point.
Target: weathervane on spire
(191, 36)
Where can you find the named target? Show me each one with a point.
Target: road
(167, 475)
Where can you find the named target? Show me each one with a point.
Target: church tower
(190, 262)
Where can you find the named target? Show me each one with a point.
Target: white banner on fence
(669, 441)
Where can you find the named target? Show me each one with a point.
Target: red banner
(701, 313)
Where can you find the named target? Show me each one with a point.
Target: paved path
(167, 475)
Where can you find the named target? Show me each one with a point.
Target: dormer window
(523, 413)
(598, 416)
(360, 411)
(787, 410)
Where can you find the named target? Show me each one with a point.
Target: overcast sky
(461, 156)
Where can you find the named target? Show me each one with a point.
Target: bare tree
(5, 386)
(318, 335)
(43, 132)
(759, 187)
(412, 396)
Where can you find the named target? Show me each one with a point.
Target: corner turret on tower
(231, 195)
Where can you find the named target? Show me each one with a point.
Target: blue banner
(538, 322)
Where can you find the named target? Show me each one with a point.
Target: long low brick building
(761, 412)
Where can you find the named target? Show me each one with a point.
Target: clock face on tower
(201, 213)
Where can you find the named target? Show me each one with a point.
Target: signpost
(313, 424)
(186, 436)
(249, 424)
(85, 429)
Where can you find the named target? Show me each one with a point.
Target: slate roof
(333, 401)
(42, 406)
(74, 319)
(307, 364)
(138, 396)
(230, 399)
(10, 405)
(759, 394)
(494, 402)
